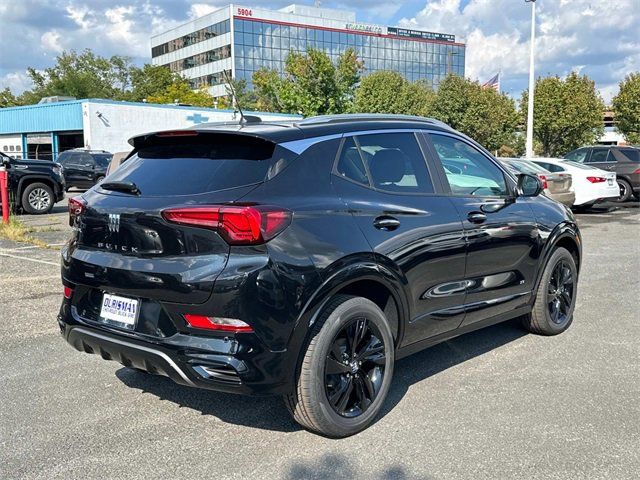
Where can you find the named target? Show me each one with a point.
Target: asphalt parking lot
(497, 403)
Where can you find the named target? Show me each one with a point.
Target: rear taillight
(596, 179)
(544, 181)
(68, 292)
(237, 225)
(637, 170)
(76, 208)
(217, 323)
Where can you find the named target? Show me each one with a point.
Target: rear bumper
(567, 198)
(234, 364)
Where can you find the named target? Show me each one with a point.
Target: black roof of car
(312, 127)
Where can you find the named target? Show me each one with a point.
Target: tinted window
(219, 163)
(467, 170)
(632, 154)
(395, 162)
(67, 158)
(102, 159)
(551, 167)
(599, 155)
(350, 163)
(577, 155)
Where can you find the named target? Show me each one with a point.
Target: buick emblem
(114, 222)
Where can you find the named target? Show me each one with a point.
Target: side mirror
(529, 185)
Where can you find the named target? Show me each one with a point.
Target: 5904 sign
(245, 12)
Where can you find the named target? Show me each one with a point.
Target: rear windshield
(219, 162)
(524, 166)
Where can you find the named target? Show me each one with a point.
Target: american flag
(493, 82)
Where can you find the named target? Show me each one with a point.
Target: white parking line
(4, 254)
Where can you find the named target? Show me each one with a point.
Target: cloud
(598, 38)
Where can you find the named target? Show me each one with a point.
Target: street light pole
(532, 82)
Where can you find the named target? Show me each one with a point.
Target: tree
(180, 91)
(8, 99)
(626, 105)
(148, 81)
(485, 115)
(246, 98)
(81, 75)
(311, 85)
(567, 114)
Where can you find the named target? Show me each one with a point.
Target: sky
(594, 37)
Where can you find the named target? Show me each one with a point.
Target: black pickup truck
(34, 185)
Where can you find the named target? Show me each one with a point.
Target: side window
(578, 156)
(599, 155)
(350, 163)
(86, 160)
(467, 170)
(631, 154)
(395, 162)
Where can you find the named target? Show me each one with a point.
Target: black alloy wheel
(555, 297)
(346, 368)
(560, 293)
(354, 368)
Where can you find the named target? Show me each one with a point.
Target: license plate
(120, 310)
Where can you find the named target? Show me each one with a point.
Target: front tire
(556, 296)
(37, 199)
(346, 370)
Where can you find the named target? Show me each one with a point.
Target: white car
(591, 184)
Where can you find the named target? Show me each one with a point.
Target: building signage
(244, 12)
(403, 32)
(365, 27)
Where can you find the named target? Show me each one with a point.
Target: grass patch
(16, 231)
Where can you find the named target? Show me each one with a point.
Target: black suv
(84, 168)
(304, 258)
(624, 161)
(34, 185)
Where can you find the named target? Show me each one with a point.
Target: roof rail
(355, 117)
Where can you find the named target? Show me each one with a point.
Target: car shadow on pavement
(269, 413)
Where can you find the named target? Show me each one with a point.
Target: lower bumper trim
(80, 337)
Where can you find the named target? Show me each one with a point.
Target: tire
(551, 298)
(625, 190)
(37, 199)
(309, 402)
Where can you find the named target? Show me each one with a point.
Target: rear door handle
(476, 217)
(386, 222)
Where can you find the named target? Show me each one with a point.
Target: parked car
(305, 258)
(624, 161)
(557, 186)
(591, 185)
(34, 185)
(84, 168)
(116, 160)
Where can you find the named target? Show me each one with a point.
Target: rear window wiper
(126, 187)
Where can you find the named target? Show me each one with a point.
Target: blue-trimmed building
(44, 130)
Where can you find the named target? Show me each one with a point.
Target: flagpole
(532, 83)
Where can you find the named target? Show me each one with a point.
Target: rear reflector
(237, 225)
(637, 170)
(217, 323)
(68, 292)
(596, 179)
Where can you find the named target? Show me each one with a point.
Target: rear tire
(37, 199)
(556, 296)
(340, 389)
(625, 190)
